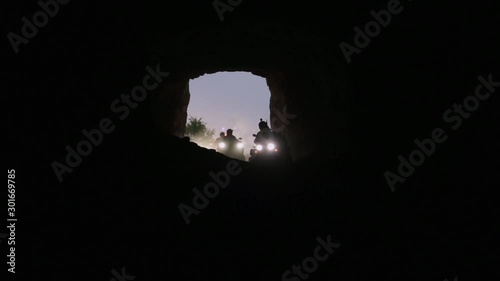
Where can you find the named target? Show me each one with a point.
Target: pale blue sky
(234, 100)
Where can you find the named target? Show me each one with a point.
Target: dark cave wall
(315, 88)
(169, 106)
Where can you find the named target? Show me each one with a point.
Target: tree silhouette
(197, 130)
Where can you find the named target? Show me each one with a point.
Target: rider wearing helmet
(229, 136)
(219, 140)
(264, 134)
(233, 150)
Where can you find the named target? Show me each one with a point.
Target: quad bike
(267, 150)
(234, 149)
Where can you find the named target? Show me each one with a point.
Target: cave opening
(308, 100)
(225, 100)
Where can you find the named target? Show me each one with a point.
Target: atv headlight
(239, 145)
(270, 146)
(222, 145)
(259, 147)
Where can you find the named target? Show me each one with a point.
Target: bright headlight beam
(270, 146)
(259, 147)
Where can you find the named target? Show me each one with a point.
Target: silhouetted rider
(265, 133)
(219, 139)
(229, 138)
(231, 144)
